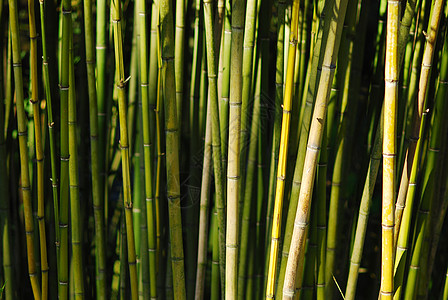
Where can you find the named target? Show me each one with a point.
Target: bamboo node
(65, 158)
(313, 148)
(17, 65)
(301, 225)
(63, 282)
(426, 66)
(22, 133)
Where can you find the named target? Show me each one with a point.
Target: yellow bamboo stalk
(389, 149)
(283, 153)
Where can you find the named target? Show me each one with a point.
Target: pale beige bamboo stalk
(332, 35)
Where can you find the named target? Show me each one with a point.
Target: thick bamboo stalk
(22, 133)
(283, 154)
(332, 32)
(233, 166)
(39, 149)
(124, 146)
(172, 150)
(389, 149)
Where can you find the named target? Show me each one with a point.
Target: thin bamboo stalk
(431, 38)
(244, 259)
(321, 208)
(172, 151)
(247, 90)
(216, 139)
(233, 166)
(75, 205)
(100, 247)
(364, 211)
(203, 214)
(283, 154)
(64, 72)
(5, 220)
(39, 149)
(147, 144)
(51, 133)
(333, 31)
(101, 80)
(124, 146)
(22, 133)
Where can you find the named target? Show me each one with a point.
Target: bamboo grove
(228, 149)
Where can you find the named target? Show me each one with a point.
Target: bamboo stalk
(333, 31)
(147, 144)
(216, 139)
(124, 146)
(364, 211)
(22, 133)
(39, 149)
(389, 149)
(283, 154)
(100, 250)
(203, 216)
(234, 146)
(75, 205)
(431, 38)
(5, 219)
(172, 151)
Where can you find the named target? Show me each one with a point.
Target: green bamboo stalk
(321, 218)
(100, 250)
(124, 146)
(337, 181)
(39, 149)
(225, 83)
(75, 205)
(203, 214)
(101, 81)
(215, 282)
(64, 72)
(172, 151)
(428, 55)
(363, 214)
(51, 134)
(216, 139)
(22, 133)
(5, 223)
(244, 259)
(139, 182)
(247, 91)
(333, 31)
(179, 42)
(233, 166)
(147, 144)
